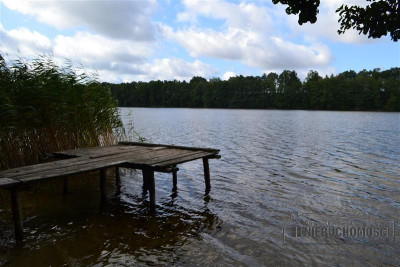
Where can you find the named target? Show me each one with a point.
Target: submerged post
(17, 215)
(145, 182)
(152, 189)
(103, 195)
(206, 174)
(65, 185)
(148, 177)
(175, 180)
(117, 177)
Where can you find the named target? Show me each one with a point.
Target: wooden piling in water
(207, 174)
(148, 176)
(103, 178)
(17, 215)
(149, 158)
(65, 185)
(152, 190)
(117, 177)
(145, 182)
(175, 180)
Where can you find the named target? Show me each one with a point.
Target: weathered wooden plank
(40, 167)
(147, 160)
(117, 149)
(170, 146)
(26, 169)
(180, 160)
(93, 164)
(156, 155)
(97, 151)
(169, 159)
(159, 158)
(79, 152)
(8, 183)
(59, 164)
(84, 166)
(150, 157)
(70, 171)
(65, 168)
(168, 155)
(73, 169)
(116, 152)
(55, 165)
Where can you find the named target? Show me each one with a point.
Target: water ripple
(275, 164)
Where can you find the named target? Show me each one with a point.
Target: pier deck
(149, 158)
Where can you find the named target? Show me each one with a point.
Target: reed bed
(47, 107)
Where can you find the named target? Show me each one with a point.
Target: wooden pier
(149, 158)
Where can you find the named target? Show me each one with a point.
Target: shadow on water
(77, 229)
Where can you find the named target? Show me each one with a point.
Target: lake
(279, 170)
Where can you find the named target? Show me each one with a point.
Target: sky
(125, 41)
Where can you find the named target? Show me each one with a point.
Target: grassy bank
(47, 107)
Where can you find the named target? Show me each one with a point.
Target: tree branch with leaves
(378, 18)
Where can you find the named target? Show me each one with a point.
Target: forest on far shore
(366, 90)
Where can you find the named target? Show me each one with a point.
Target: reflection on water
(78, 229)
(274, 164)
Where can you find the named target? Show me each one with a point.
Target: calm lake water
(279, 169)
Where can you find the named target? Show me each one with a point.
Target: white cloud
(24, 42)
(122, 42)
(162, 69)
(99, 52)
(252, 48)
(114, 60)
(117, 19)
(176, 68)
(248, 36)
(242, 15)
(228, 75)
(117, 60)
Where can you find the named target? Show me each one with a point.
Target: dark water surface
(275, 166)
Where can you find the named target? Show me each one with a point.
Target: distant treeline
(366, 90)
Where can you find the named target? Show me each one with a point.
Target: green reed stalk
(45, 107)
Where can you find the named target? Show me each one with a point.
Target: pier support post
(207, 175)
(17, 215)
(145, 182)
(103, 176)
(148, 177)
(117, 177)
(65, 185)
(175, 180)
(152, 190)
